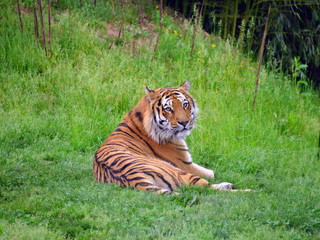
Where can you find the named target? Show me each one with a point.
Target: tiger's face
(173, 112)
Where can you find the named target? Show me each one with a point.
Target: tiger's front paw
(223, 186)
(209, 174)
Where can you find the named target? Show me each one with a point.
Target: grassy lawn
(57, 108)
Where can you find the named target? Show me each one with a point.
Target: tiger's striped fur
(148, 151)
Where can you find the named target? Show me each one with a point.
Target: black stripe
(120, 130)
(102, 148)
(125, 166)
(125, 146)
(164, 180)
(153, 189)
(138, 168)
(113, 177)
(135, 179)
(158, 110)
(192, 103)
(149, 174)
(143, 184)
(180, 159)
(137, 147)
(135, 126)
(103, 154)
(183, 149)
(125, 125)
(115, 161)
(139, 116)
(172, 177)
(194, 181)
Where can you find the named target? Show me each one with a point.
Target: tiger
(148, 151)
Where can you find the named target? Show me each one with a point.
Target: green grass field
(57, 108)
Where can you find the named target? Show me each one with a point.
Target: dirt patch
(140, 37)
(26, 10)
(112, 31)
(144, 36)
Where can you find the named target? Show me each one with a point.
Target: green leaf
(303, 83)
(302, 66)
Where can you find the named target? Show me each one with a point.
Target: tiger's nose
(183, 123)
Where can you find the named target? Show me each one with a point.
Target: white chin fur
(182, 134)
(164, 135)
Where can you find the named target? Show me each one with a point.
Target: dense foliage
(294, 29)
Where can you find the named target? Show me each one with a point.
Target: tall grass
(57, 109)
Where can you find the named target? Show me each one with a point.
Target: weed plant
(57, 108)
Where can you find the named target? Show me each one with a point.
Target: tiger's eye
(168, 109)
(185, 105)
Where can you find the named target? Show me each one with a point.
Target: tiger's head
(171, 114)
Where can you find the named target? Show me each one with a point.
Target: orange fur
(148, 151)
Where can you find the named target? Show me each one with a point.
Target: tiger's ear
(150, 94)
(185, 86)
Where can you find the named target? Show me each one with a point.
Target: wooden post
(161, 23)
(122, 19)
(42, 24)
(260, 60)
(134, 43)
(122, 25)
(197, 23)
(35, 20)
(226, 20)
(141, 22)
(235, 16)
(112, 8)
(319, 146)
(49, 22)
(20, 18)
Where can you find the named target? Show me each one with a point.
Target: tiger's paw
(223, 186)
(209, 174)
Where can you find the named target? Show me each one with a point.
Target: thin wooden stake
(49, 22)
(141, 22)
(161, 23)
(112, 8)
(122, 26)
(319, 147)
(20, 18)
(260, 60)
(42, 24)
(35, 20)
(122, 20)
(195, 30)
(134, 43)
(235, 17)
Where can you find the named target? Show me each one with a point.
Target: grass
(56, 110)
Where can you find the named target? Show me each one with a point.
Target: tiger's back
(147, 151)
